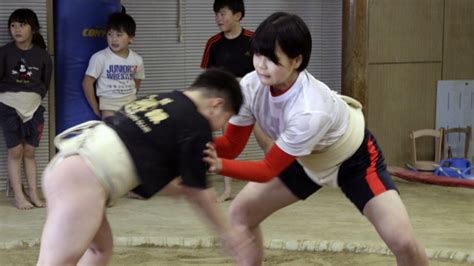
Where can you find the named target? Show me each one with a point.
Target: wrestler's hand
(210, 157)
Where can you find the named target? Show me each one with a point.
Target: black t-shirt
(25, 70)
(232, 55)
(166, 136)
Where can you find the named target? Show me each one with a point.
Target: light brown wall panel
(402, 97)
(458, 55)
(405, 30)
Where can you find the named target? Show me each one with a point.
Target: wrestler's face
(219, 119)
(216, 114)
(279, 76)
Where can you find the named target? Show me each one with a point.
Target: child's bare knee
(16, 152)
(29, 152)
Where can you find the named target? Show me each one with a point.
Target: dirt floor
(323, 230)
(152, 256)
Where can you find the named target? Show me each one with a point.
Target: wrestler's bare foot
(225, 196)
(22, 203)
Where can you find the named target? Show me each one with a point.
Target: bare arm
(138, 82)
(235, 241)
(88, 87)
(204, 200)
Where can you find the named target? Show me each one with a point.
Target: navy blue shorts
(361, 177)
(16, 132)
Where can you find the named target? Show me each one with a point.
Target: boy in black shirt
(230, 50)
(145, 145)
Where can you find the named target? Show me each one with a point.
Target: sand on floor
(443, 219)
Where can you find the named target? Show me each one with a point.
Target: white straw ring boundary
(275, 244)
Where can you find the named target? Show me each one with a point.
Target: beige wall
(458, 55)
(408, 102)
(412, 45)
(405, 31)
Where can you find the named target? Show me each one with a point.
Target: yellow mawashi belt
(343, 148)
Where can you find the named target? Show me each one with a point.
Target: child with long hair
(25, 74)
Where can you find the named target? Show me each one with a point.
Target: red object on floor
(429, 178)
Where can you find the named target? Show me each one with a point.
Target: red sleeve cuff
(233, 142)
(275, 161)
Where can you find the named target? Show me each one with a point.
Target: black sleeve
(212, 60)
(192, 168)
(208, 60)
(46, 74)
(2, 62)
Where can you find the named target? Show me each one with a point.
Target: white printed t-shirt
(115, 75)
(307, 117)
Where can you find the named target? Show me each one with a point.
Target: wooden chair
(447, 152)
(437, 134)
